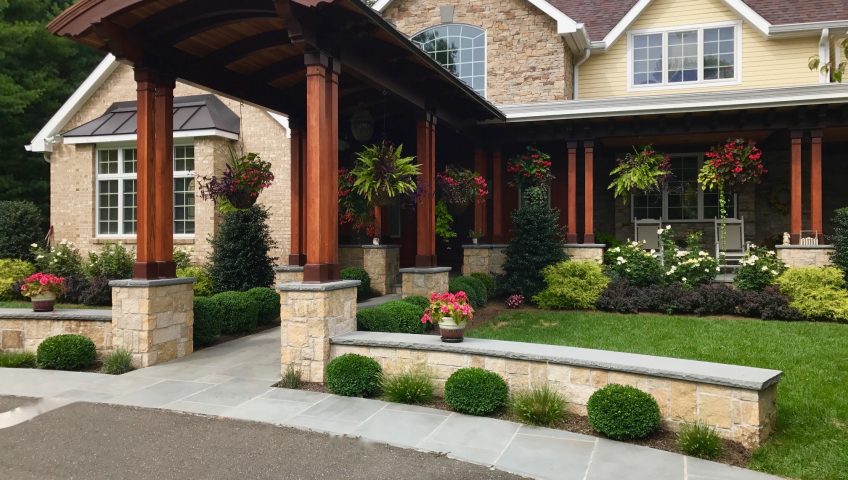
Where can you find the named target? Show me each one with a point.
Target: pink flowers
(454, 305)
(461, 186)
(41, 283)
(530, 169)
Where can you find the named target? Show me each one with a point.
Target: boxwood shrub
(572, 285)
(395, 316)
(472, 287)
(476, 391)
(208, 321)
(358, 273)
(268, 302)
(66, 352)
(488, 282)
(622, 412)
(419, 301)
(353, 375)
(240, 313)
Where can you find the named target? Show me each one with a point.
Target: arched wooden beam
(279, 69)
(179, 31)
(244, 47)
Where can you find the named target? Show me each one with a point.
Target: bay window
(116, 190)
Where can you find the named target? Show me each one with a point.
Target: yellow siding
(765, 63)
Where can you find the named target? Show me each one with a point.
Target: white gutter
(824, 55)
(576, 72)
(132, 137)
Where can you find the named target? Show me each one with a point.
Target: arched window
(459, 48)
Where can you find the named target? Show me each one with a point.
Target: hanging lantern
(362, 125)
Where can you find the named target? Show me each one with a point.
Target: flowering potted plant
(243, 180)
(453, 312)
(381, 173)
(353, 207)
(461, 187)
(530, 169)
(43, 288)
(643, 170)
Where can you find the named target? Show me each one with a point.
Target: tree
(38, 71)
(240, 259)
(835, 70)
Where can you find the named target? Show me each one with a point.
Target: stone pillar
(476, 259)
(287, 274)
(795, 188)
(153, 319)
(585, 251)
(382, 262)
(424, 281)
(310, 314)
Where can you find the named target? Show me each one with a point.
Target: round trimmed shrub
(353, 375)
(66, 352)
(358, 273)
(622, 412)
(572, 285)
(239, 313)
(268, 302)
(419, 301)
(488, 282)
(480, 288)
(208, 321)
(472, 289)
(476, 391)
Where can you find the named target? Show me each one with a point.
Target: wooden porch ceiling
(254, 50)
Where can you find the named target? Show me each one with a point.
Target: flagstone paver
(233, 380)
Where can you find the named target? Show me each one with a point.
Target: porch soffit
(254, 50)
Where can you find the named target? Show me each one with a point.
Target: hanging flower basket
(644, 170)
(381, 174)
(243, 180)
(461, 187)
(530, 169)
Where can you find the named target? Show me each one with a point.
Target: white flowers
(660, 231)
(34, 245)
(683, 279)
(765, 268)
(620, 260)
(39, 257)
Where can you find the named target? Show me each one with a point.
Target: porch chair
(735, 245)
(809, 238)
(646, 231)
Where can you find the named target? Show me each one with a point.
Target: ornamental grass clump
(353, 375)
(542, 406)
(17, 360)
(572, 285)
(414, 386)
(631, 262)
(291, 378)
(699, 440)
(118, 362)
(622, 412)
(476, 391)
(758, 269)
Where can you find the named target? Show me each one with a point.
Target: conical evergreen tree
(240, 259)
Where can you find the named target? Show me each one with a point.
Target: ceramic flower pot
(43, 302)
(451, 331)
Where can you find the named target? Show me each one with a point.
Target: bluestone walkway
(234, 380)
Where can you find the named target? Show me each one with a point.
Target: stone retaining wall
(23, 330)
(739, 402)
(805, 256)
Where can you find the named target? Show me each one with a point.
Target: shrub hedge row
(396, 316)
(233, 313)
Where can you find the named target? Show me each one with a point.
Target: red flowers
(734, 163)
(41, 283)
(454, 305)
(530, 169)
(461, 186)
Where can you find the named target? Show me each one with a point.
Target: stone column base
(483, 258)
(311, 313)
(288, 274)
(805, 255)
(153, 319)
(585, 251)
(424, 281)
(382, 263)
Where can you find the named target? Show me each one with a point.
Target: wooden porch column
(795, 187)
(480, 207)
(163, 246)
(816, 183)
(426, 209)
(297, 249)
(321, 170)
(378, 221)
(571, 220)
(497, 196)
(588, 192)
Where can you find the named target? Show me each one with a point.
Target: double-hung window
(116, 190)
(683, 199)
(685, 56)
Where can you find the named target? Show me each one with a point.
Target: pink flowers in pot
(453, 305)
(42, 283)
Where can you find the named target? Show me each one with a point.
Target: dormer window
(684, 56)
(459, 48)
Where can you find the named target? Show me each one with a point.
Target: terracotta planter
(43, 302)
(451, 331)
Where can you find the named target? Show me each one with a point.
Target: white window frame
(701, 218)
(485, 92)
(665, 85)
(120, 177)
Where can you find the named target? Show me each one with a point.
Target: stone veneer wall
(746, 415)
(424, 281)
(382, 262)
(584, 252)
(527, 61)
(23, 331)
(72, 179)
(351, 256)
(805, 256)
(488, 259)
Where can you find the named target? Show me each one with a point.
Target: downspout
(824, 55)
(576, 72)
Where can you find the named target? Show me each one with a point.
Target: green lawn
(58, 306)
(811, 437)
